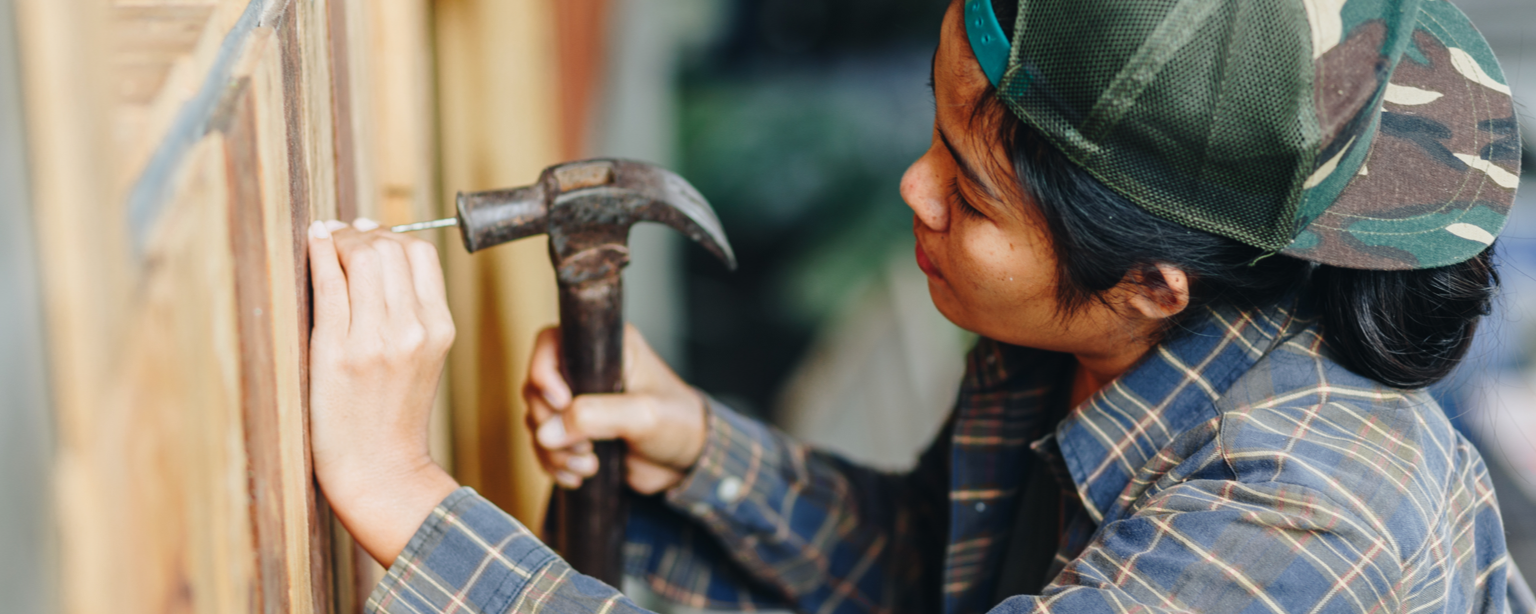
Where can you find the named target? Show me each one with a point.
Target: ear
(1159, 301)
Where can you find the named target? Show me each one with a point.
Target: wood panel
(180, 293)
(496, 74)
(179, 149)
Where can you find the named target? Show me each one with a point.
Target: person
(1214, 252)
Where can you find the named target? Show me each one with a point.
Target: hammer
(586, 208)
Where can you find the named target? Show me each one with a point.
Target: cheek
(1001, 266)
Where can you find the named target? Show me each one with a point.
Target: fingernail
(552, 433)
(364, 224)
(335, 225)
(583, 465)
(567, 480)
(318, 230)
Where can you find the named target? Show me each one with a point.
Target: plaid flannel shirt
(1237, 468)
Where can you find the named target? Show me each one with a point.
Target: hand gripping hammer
(586, 208)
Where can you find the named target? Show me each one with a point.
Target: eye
(960, 201)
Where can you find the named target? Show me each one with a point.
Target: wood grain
(178, 350)
(258, 370)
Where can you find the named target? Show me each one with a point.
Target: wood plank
(258, 376)
(288, 282)
(173, 44)
(495, 59)
(306, 102)
(179, 360)
(345, 136)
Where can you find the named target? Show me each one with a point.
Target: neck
(1095, 371)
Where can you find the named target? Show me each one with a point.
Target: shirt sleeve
(821, 533)
(760, 522)
(471, 557)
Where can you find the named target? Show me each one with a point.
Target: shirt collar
(1105, 440)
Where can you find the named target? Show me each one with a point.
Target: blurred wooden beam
(26, 444)
(497, 101)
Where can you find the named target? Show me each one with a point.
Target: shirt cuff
(468, 556)
(729, 467)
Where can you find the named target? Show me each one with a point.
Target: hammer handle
(588, 523)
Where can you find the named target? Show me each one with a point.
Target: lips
(925, 264)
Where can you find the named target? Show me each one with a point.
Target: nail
(567, 480)
(364, 224)
(335, 225)
(582, 465)
(552, 432)
(318, 230)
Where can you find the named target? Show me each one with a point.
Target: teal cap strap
(988, 42)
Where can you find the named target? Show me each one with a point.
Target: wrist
(357, 478)
(383, 506)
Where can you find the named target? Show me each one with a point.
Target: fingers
(429, 297)
(395, 285)
(426, 271)
(400, 304)
(600, 417)
(332, 308)
(544, 374)
(365, 279)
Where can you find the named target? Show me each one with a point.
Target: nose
(922, 189)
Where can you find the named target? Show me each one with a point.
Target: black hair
(1405, 329)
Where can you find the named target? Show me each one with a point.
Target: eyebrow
(965, 166)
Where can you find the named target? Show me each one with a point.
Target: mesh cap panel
(1207, 103)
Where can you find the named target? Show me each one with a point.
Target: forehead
(954, 62)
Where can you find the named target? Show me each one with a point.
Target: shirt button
(729, 489)
(981, 507)
(699, 509)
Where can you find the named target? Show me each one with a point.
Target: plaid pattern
(1236, 469)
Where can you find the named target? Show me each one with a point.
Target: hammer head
(586, 208)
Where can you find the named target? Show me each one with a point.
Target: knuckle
(442, 334)
(420, 248)
(361, 254)
(408, 340)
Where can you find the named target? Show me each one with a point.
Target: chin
(945, 302)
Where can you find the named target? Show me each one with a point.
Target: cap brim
(1438, 179)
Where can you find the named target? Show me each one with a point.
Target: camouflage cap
(1369, 134)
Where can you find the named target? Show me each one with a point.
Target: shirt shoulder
(1388, 456)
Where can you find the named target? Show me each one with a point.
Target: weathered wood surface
(179, 149)
(183, 147)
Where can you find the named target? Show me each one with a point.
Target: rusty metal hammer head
(586, 208)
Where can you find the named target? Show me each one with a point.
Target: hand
(382, 332)
(659, 416)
